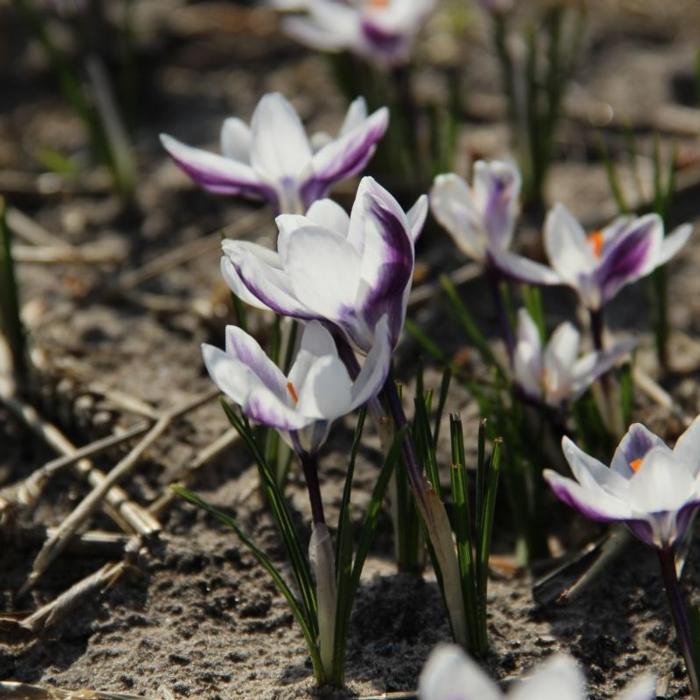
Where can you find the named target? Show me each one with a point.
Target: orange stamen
(293, 392)
(635, 464)
(596, 241)
(378, 4)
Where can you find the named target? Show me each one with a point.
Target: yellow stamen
(596, 241)
(293, 392)
(635, 464)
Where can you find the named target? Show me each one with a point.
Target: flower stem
(495, 278)
(597, 328)
(679, 613)
(309, 463)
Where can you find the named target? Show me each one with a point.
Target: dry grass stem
(56, 544)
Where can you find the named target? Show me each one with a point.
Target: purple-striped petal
(592, 503)
(345, 156)
(216, 173)
(247, 350)
(387, 260)
(636, 443)
(496, 191)
(270, 285)
(630, 256)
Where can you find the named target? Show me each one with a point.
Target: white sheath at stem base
(322, 560)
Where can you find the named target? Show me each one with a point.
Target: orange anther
(596, 241)
(635, 464)
(379, 4)
(293, 392)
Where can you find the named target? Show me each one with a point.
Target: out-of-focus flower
(347, 271)
(382, 31)
(598, 265)
(481, 219)
(652, 489)
(555, 374)
(317, 391)
(450, 674)
(273, 159)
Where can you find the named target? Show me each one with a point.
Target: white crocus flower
(555, 374)
(317, 391)
(346, 271)
(381, 31)
(450, 674)
(273, 159)
(481, 219)
(599, 264)
(649, 487)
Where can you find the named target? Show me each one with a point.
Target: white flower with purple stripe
(382, 31)
(317, 391)
(555, 374)
(599, 264)
(481, 219)
(652, 489)
(450, 674)
(273, 159)
(347, 271)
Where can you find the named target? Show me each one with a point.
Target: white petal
(449, 674)
(672, 244)
(233, 378)
(325, 392)
(592, 502)
(496, 192)
(687, 449)
(356, 114)
(661, 484)
(635, 444)
(328, 214)
(591, 366)
(416, 216)
(522, 269)
(643, 688)
(375, 369)
(558, 678)
(244, 348)
(591, 473)
(452, 205)
(257, 270)
(559, 360)
(213, 172)
(324, 270)
(280, 148)
(236, 140)
(236, 285)
(567, 247)
(267, 408)
(527, 360)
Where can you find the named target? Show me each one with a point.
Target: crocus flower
(649, 487)
(481, 219)
(273, 159)
(346, 271)
(317, 390)
(450, 674)
(555, 374)
(382, 31)
(598, 265)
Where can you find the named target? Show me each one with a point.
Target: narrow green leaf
(419, 335)
(442, 400)
(280, 512)
(10, 318)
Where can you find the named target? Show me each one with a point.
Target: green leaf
(10, 318)
(280, 513)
